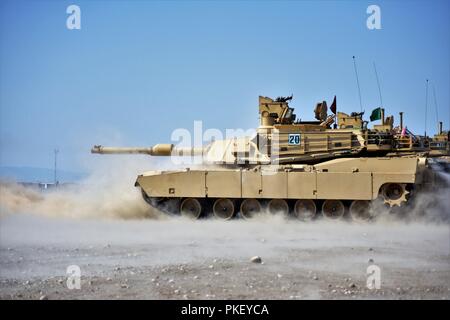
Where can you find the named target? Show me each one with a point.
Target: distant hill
(32, 174)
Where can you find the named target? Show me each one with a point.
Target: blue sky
(139, 69)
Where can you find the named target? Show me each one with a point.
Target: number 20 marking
(294, 139)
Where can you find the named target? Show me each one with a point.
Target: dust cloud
(108, 192)
(431, 206)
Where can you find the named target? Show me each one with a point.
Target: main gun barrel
(164, 149)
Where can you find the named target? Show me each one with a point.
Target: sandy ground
(175, 258)
(125, 250)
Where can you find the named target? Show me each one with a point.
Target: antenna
(436, 108)
(426, 107)
(378, 83)
(357, 82)
(56, 156)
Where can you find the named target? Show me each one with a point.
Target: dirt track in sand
(179, 259)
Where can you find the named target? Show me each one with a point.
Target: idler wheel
(305, 209)
(360, 210)
(191, 208)
(333, 209)
(151, 201)
(278, 205)
(223, 209)
(250, 208)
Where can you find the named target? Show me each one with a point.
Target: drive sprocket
(395, 194)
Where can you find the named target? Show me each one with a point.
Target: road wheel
(191, 208)
(277, 206)
(223, 209)
(304, 209)
(360, 210)
(333, 209)
(250, 208)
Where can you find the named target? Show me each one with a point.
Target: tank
(333, 165)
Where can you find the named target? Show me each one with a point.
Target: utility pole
(56, 156)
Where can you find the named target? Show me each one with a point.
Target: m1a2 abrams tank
(332, 165)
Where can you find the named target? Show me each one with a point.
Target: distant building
(45, 185)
